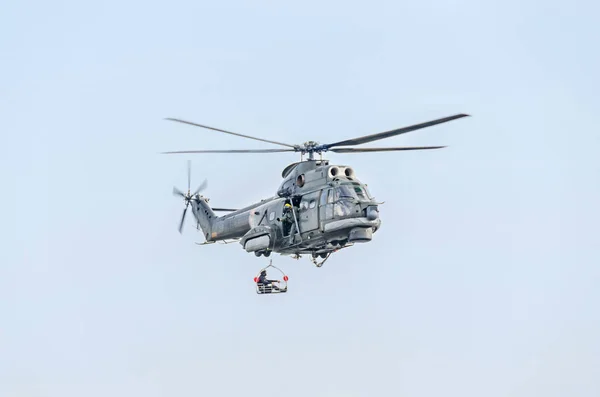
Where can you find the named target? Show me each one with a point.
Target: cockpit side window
(324, 196)
(334, 195)
(329, 196)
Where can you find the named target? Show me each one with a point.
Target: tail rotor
(189, 197)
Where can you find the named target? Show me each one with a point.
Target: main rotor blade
(232, 151)
(382, 149)
(229, 132)
(388, 134)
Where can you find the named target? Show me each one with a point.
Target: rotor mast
(311, 147)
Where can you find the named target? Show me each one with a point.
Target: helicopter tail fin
(205, 217)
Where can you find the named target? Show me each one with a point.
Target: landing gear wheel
(319, 264)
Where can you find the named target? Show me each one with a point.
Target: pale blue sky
(481, 282)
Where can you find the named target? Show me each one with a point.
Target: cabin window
(272, 215)
(312, 204)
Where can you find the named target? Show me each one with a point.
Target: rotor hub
(310, 147)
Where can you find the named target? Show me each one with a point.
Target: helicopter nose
(372, 213)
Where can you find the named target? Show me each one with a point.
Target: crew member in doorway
(289, 225)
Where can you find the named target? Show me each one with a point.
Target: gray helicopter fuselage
(332, 209)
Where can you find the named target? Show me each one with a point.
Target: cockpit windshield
(353, 190)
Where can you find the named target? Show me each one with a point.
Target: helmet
(263, 273)
(287, 205)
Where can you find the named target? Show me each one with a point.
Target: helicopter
(318, 209)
